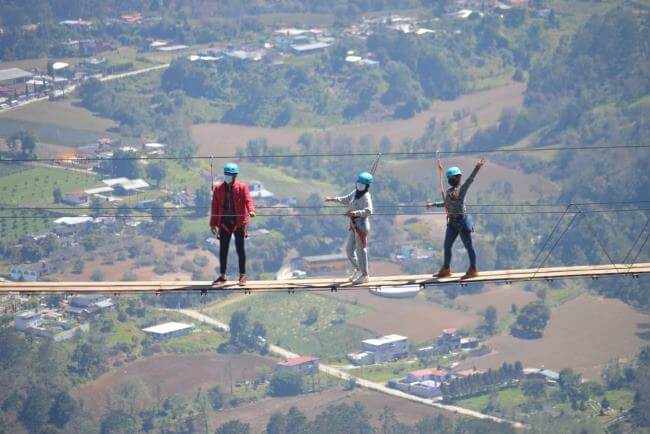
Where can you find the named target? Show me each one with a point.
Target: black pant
(224, 246)
(455, 228)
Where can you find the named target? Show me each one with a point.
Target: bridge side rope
(639, 252)
(598, 240)
(550, 236)
(629, 252)
(573, 219)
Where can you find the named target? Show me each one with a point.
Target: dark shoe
(444, 272)
(472, 272)
(242, 279)
(221, 279)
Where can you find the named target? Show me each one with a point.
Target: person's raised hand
(440, 165)
(480, 163)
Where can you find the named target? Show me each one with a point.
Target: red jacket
(242, 202)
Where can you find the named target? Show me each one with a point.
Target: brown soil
(415, 318)
(174, 374)
(584, 334)
(224, 139)
(258, 414)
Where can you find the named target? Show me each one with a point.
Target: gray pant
(357, 254)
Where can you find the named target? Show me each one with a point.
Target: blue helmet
(231, 169)
(453, 171)
(365, 178)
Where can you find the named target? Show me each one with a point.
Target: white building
(28, 319)
(387, 348)
(168, 330)
(381, 350)
(258, 191)
(69, 225)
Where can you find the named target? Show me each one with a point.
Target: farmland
(161, 375)
(219, 138)
(570, 337)
(257, 414)
(284, 316)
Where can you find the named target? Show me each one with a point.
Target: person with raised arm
(458, 221)
(232, 206)
(359, 203)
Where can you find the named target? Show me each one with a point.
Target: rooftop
(385, 340)
(310, 47)
(168, 327)
(298, 361)
(72, 221)
(13, 74)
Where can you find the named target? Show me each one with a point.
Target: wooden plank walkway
(334, 284)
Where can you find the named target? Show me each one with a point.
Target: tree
(531, 321)
(119, 422)
(285, 384)
(125, 164)
(312, 316)
(25, 140)
(490, 318)
(88, 360)
(239, 326)
(62, 410)
(171, 229)
(157, 171)
(215, 395)
(534, 389)
(234, 427)
(35, 411)
(277, 424)
(202, 200)
(296, 421)
(57, 195)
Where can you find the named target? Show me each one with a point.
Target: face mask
(361, 187)
(454, 181)
(228, 179)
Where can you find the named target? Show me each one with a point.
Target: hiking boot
(242, 279)
(472, 272)
(361, 279)
(444, 272)
(354, 276)
(221, 279)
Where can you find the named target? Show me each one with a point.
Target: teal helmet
(453, 171)
(231, 169)
(365, 178)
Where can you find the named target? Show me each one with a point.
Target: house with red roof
(304, 365)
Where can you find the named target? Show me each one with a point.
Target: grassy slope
(282, 315)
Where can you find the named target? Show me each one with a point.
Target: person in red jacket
(232, 206)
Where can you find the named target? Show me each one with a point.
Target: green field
(283, 316)
(33, 187)
(49, 133)
(389, 371)
(279, 182)
(510, 397)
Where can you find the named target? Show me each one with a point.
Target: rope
(315, 155)
(599, 241)
(629, 252)
(556, 243)
(557, 224)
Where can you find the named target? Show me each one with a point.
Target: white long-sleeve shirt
(360, 208)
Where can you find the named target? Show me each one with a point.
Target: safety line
(323, 155)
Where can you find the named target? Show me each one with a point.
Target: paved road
(336, 372)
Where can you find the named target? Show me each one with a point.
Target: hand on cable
(329, 199)
(251, 214)
(431, 204)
